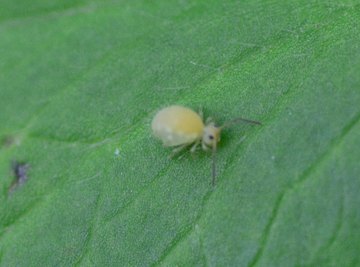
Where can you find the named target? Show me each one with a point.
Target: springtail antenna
(237, 120)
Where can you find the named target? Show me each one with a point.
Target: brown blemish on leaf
(8, 140)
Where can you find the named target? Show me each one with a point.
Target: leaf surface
(80, 82)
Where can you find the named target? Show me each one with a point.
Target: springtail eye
(211, 137)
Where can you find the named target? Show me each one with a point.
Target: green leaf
(80, 82)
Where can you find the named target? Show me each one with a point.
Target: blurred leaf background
(80, 82)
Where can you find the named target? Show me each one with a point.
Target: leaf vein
(306, 174)
(90, 231)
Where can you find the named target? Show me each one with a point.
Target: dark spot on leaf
(20, 173)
